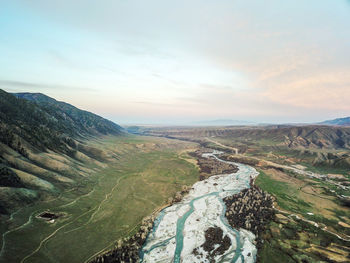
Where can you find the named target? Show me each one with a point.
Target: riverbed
(180, 228)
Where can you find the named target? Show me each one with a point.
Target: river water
(181, 227)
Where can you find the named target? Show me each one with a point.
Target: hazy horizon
(162, 62)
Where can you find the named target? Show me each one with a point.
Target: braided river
(180, 228)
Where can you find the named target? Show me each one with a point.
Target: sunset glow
(174, 62)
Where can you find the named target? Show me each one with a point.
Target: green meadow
(140, 175)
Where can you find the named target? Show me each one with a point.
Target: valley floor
(142, 172)
(109, 204)
(312, 198)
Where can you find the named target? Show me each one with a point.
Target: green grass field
(105, 206)
(286, 195)
(291, 240)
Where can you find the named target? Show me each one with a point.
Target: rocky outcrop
(251, 209)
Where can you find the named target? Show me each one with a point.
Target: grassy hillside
(75, 121)
(309, 213)
(141, 174)
(43, 147)
(75, 165)
(43, 123)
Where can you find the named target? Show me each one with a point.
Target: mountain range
(43, 123)
(222, 122)
(229, 122)
(339, 122)
(43, 146)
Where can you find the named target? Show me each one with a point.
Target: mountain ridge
(44, 147)
(102, 125)
(223, 122)
(338, 122)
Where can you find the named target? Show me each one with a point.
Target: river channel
(180, 228)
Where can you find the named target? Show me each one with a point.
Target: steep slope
(43, 147)
(339, 121)
(22, 120)
(78, 121)
(45, 123)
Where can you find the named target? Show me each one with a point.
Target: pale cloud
(278, 60)
(329, 90)
(14, 85)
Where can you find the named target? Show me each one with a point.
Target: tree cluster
(127, 249)
(216, 243)
(9, 178)
(251, 209)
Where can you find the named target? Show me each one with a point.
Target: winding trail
(78, 198)
(95, 209)
(52, 234)
(30, 218)
(107, 196)
(13, 214)
(29, 221)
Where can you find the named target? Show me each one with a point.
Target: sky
(176, 62)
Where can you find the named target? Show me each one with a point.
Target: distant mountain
(222, 122)
(301, 137)
(340, 121)
(320, 144)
